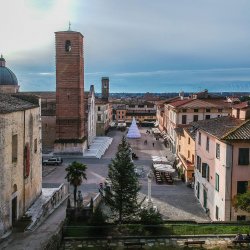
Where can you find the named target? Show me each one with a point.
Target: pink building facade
(222, 167)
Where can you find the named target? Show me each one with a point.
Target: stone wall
(48, 132)
(55, 240)
(19, 182)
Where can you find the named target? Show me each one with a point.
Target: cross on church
(69, 25)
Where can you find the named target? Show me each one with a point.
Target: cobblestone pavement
(47, 170)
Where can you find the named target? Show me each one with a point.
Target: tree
(242, 201)
(122, 197)
(150, 216)
(76, 172)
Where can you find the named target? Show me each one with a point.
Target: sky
(141, 45)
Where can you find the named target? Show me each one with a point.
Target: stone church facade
(20, 157)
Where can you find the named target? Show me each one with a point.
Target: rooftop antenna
(69, 26)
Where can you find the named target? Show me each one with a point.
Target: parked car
(53, 161)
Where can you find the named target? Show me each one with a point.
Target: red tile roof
(180, 102)
(242, 105)
(240, 133)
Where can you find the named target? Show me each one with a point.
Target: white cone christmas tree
(133, 131)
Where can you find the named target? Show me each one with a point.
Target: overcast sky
(142, 45)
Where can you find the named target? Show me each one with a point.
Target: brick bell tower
(70, 112)
(105, 88)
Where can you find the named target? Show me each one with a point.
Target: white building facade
(91, 115)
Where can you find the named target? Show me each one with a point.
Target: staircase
(98, 147)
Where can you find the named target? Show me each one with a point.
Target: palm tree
(76, 172)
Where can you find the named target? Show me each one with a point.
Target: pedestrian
(239, 236)
(153, 144)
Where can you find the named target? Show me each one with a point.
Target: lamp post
(150, 176)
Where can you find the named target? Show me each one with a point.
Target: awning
(112, 124)
(156, 124)
(156, 131)
(159, 159)
(121, 124)
(164, 168)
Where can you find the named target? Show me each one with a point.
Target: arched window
(14, 189)
(67, 46)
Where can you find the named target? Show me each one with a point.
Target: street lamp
(150, 176)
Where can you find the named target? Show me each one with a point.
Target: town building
(186, 153)
(182, 112)
(8, 80)
(222, 165)
(103, 111)
(48, 117)
(70, 114)
(90, 114)
(20, 157)
(241, 110)
(120, 113)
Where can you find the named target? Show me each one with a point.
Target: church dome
(7, 77)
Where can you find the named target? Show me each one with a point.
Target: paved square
(175, 202)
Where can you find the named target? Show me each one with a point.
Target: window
(188, 153)
(216, 213)
(217, 182)
(208, 110)
(99, 118)
(207, 144)
(217, 151)
(188, 140)
(205, 171)
(198, 163)
(67, 46)
(184, 110)
(184, 119)
(243, 156)
(220, 110)
(193, 159)
(35, 145)
(238, 113)
(99, 108)
(242, 187)
(199, 138)
(241, 217)
(196, 110)
(179, 148)
(195, 118)
(14, 148)
(207, 117)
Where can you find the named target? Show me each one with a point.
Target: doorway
(14, 210)
(204, 198)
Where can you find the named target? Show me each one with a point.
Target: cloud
(136, 43)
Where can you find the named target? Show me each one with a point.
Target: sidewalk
(38, 238)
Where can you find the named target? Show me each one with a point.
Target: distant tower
(105, 88)
(69, 92)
